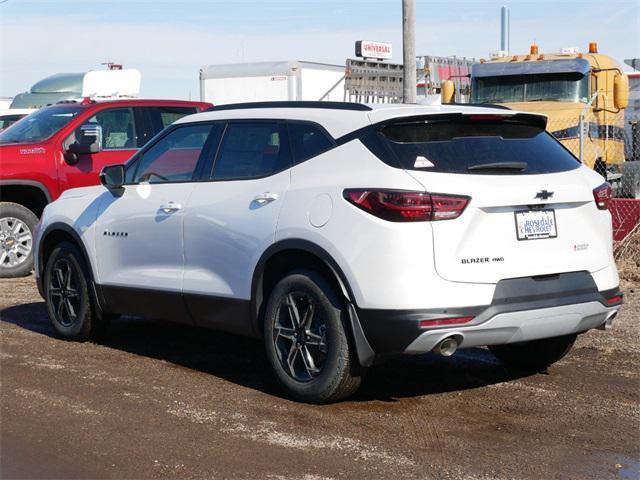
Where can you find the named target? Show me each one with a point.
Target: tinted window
(173, 158)
(162, 117)
(152, 120)
(252, 150)
(457, 146)
(7, 120)
(168, 115)
(40, 125)
(118, 128)
(307, 141)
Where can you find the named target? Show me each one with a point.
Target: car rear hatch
(531, 211)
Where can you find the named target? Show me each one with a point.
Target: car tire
(69, 300)
(17, 226)
(307, 343)
(538, 354)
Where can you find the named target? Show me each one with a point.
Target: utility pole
(409, 51)
(504, 30)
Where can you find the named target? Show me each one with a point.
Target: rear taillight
(614, 299)
(404, 206)
(602, 195)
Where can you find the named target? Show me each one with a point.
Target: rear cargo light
(445, 321)
(602, 195)
(406, 206)
(616, 299)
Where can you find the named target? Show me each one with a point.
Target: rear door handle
(170, 207)
(265, 198)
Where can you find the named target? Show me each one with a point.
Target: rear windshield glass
(467, 146)
(39, 125)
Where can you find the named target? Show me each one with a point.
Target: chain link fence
(610, 144)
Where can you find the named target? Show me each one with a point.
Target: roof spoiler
(531, 119)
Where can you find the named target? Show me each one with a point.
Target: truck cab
(65, 146)
(572, 89)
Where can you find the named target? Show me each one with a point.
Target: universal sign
(367, 49)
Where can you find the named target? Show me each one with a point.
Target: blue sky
(170, 40)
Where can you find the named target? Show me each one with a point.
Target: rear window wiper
(500, 166)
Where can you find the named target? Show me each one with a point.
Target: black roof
(292, 104)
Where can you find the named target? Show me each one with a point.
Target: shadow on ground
(242, 361)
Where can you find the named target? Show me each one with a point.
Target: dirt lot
(162, 400)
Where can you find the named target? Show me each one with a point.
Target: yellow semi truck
(566, 86)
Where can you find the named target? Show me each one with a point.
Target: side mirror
(112, 177)
(89, 140)
(621, 91)
(447, 92)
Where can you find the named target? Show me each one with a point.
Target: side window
(251, 150)
(174, 157)
(162, 117)
(118, 128)
(168, 115)
(307, 141)
(7, 120)
(152, 120)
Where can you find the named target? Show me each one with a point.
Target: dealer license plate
(535, 224)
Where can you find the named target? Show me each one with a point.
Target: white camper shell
(271, 81)
(96, 84)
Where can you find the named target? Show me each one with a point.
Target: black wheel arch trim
(28, 183)
(293, 244)
(364, 351)
(63, 227)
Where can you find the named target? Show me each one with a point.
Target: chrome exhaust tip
(446, 347)
(608, 323)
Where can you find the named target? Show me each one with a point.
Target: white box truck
(271, 81)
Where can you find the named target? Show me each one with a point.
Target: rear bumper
(522, 309)
(521, 326)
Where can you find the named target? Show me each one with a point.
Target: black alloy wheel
(300, 337)
(63, 292)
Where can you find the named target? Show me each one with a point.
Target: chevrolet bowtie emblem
(544, 194)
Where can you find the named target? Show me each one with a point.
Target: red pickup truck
(65, 146)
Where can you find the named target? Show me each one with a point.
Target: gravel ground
(158, 400)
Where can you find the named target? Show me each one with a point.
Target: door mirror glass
(112, 177)
(88, 140)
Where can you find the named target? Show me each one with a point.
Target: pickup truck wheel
(17, 225)
(306, 341)
(70, 304)
(538, 354)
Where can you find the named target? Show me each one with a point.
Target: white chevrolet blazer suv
(342, 234)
